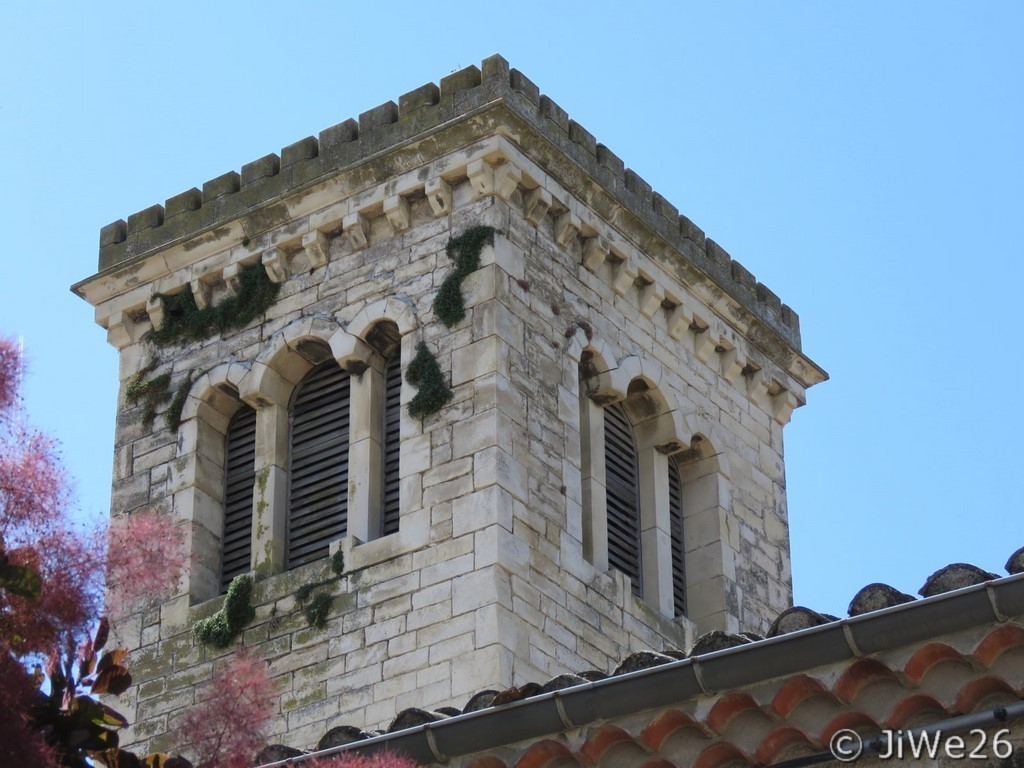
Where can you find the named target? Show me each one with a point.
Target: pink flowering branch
(145, 558)
(228, 726)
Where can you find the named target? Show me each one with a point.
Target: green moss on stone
(172, 417)
(318, 609)
(464, 250)
(151, 392)
(184, 321)
(221, 629)
(425, 374)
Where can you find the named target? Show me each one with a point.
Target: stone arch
(214, 398)
(198, 475)
(289, 356)
(403, 315)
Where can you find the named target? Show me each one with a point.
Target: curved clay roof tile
(784, 743)
(600, 745)
(720, 754)
(860, 674)
(727, 708)
(986, 692)
(795, 692)
(997, 642)
(875, 597)
(926, 657)
(914, 710)
(954, 576)
(1015, 564)
(641, 660)
(716, 640)
(340, 735)
(413, 716)
(274, 752)
(852, 721)
(490, 761)
(796, 618)
(667, 724)
(559, 682)
(547, 754)
(480, 700)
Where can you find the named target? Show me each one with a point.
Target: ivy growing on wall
(464, 250)
(221, 629)
(320, 600)
(172, 417)
(184, 321)
(425, 374)
(152, 392)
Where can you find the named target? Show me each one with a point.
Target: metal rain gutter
(708, 674)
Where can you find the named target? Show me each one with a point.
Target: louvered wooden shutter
(623, 498)
(239, 475)
(675, 511)
(318, 463)
(390, 444)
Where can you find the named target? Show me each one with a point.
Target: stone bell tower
(456, 370)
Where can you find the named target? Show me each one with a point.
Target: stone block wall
(494, 577)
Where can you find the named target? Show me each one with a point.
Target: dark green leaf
(21, 580)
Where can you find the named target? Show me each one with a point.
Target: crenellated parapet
(710, 324)
(392, 138)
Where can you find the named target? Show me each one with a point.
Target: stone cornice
(429, 121)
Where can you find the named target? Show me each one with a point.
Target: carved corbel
(201, 293)
(120, 330)
(567, 226)
(230, 276)
(783, 405)
(595, 251)
(703, 344)
(155, 310)
(537, 203)
(651, 297)
(439, 195)
(732, 362)
(625, 275)
(397, 210)
(506, 180)
(481, 177)
(316, 245)
(275, 261)
(357, 228)
(757, 385)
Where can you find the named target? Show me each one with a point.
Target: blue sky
(863, 160)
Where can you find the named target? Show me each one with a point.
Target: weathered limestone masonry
(595, 291)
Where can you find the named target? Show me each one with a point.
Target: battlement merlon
(492, 97)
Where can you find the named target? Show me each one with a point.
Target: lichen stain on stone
(275, 215)
(209, 237)
(768, 342)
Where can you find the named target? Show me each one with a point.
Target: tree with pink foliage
(50, 573)
(228, 725)
(145, 559)
(50, 569)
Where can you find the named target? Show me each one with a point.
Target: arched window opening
(318, 464)
(675, 511)
(239, 476)
(623, 497)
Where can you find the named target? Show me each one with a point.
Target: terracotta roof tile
(776, 719)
